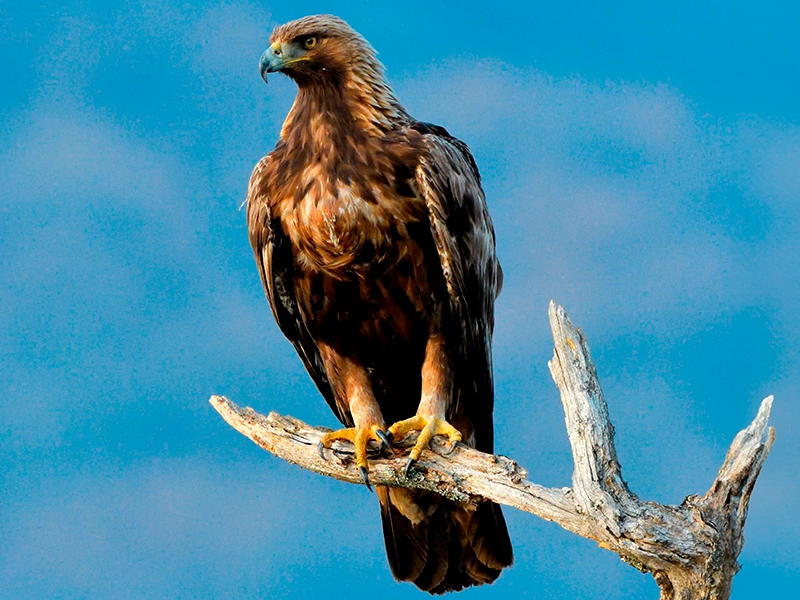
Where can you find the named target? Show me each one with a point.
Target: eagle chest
(343, 229)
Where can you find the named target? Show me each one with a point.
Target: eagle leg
(359, 437)
(437, 393)
(429, 426)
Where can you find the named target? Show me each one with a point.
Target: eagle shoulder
(450, 184)
(448, 180)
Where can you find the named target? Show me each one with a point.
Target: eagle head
(317, 48)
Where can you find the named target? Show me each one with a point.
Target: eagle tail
(441, 545)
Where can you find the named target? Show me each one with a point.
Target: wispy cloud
(621, 194)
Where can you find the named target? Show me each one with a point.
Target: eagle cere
(377, 254)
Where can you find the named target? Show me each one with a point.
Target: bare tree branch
(691, 549)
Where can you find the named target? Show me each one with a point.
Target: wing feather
(448, 180)
(275, 262)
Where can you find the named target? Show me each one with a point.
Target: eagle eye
(310, 42)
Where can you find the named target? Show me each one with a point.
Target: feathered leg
(437, 393)
(353, 390)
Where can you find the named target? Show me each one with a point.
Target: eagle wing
(448, 180)
(275, 263)
(455, 546)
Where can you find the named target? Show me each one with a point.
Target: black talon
(451, 449)
(386, 441)
(365, 477)
(321, 450)
(407, 468)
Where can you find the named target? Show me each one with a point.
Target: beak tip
(264, 65)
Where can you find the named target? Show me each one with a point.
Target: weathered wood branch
(691, 549)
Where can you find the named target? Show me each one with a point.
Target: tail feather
(441, 545)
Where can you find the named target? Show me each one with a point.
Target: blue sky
(642, 165)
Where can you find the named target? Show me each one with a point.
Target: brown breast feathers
(344, 197)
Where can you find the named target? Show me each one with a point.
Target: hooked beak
(275, 58)
(270, 61)
(279, 56)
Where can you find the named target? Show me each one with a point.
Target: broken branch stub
(691, 549)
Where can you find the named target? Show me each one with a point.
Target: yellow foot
(429, 426)
(359, 437)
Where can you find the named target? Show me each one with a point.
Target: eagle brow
(304, 36)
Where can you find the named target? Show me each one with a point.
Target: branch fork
(691, 549)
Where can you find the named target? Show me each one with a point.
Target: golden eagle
(377, 254)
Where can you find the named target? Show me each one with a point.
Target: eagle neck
(353, 105)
